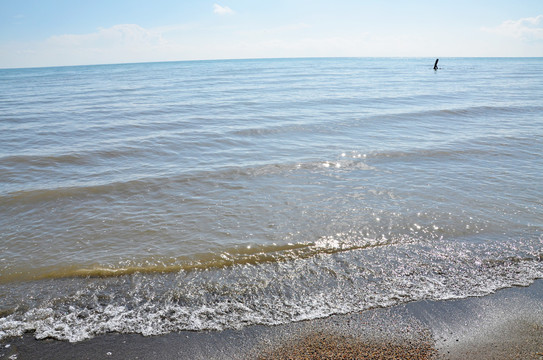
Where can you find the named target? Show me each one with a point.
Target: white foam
(282, 292)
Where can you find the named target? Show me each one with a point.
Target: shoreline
(507, 324)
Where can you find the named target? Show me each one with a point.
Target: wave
(486, 110)
(269, 293)
(479, 146)
(239, 255)
(71, 158)
(459, 112)
(137, 184)
(324, 124)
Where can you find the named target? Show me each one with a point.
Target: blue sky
(76, 32)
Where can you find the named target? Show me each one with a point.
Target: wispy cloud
(116, 44)
(222, 10)
(118, 35)
(530, 28)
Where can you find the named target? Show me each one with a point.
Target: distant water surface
(159, 197)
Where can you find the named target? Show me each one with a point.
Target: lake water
(151, 198)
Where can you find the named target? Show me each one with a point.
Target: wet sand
(504, 325)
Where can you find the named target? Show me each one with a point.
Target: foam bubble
(373, 273)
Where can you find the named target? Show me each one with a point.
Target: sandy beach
(505, 325)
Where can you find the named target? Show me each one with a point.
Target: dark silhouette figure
(435, 65)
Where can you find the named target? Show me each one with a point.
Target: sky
(36, 33)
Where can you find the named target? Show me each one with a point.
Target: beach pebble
(108, 353)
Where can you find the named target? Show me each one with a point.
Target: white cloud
(122, 35)
(530, 28)
(192, 41)
(117, 44)
(222, 10)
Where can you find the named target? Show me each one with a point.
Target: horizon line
(269, 58)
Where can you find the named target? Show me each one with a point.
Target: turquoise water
(158, 197)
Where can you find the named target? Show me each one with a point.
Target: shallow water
(152, 198)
